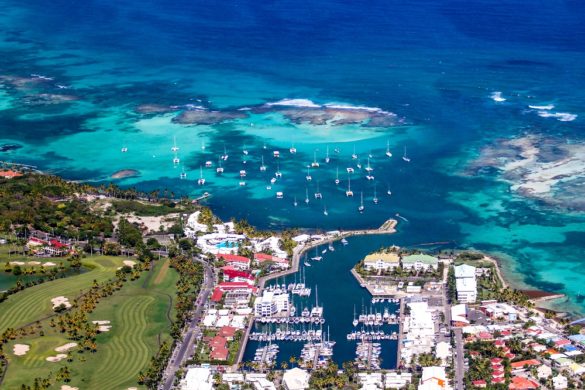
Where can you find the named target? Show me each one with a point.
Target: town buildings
(465, 283)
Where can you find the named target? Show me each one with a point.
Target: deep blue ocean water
(434, 64)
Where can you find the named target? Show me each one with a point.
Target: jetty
(388, 227)
(400, 335)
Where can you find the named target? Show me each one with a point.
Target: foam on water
(497, 97)
(544, 107)
(561, 116)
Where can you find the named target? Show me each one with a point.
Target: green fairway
(34, 303)
(138, 315)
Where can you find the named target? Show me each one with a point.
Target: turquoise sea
(73, 76)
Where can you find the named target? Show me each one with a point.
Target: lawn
(34, 303)
(139, 315)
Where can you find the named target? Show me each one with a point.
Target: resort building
(277, 262)
(237, 298)
(499, 310)
(394, 380)
(465, 283)
(270, 303)
(381, 261)
(420, 331)
(420, 262)
(434, 378)
(443, 352)
(295, 379)
(197, 378)
(238, 262)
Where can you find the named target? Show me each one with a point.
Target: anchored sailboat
(175, 148)
(278, 173)
(325, 212)
(306, 195)
(292, 149)
(295, 203)
(404, 156)
(262, 166)
(318, 195)
(388, 149)
(201, 180)
(308, 177)
(219, 169)
(354, 155)
(337, 176)
(327, 159)
(183, 175)
(361, 208)
(315, 164)
(375, 200)
(349, 192)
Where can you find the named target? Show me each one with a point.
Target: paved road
(192, 333)
(459, 355)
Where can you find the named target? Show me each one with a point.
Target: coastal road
(192, 333)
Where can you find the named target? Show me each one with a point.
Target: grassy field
(140, 317)
(34, 303)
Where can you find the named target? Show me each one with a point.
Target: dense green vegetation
(145, 209)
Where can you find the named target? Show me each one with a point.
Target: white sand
(152, 224)
(129, 263)
(103, 325)
(67, 387)
(34, 263)
(61, 300)
(65, 347)
(17, 263)
(20, 349)
(49, 264)
(56, 358)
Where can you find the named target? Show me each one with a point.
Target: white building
(371, 381)
(393, 380)
(465, 283)
(197, 378)
(296, 379)
(420, 262)
(270, 303)
(560, 382)
(420, 331)
(434, 378)
(381, 261)
(443, 352)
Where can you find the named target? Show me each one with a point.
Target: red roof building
(498, 380)
(523, 363)
(217, 295)
(220, 353)
(239, 262)
(227, 332)
(9, 174)
(480, 384)
(498, 374)
(217, 341)
(496, 361)
(521, 383)
(228, 286)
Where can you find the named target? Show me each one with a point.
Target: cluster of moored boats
(266, 355)
(366, 335)
(303, 319)
(356, 165)
(376, 318)
(288, 335)
(315, 355)
(382, 300)
(368, 355)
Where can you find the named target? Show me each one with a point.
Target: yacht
(273, 180)
(208, 164)
(361, 208)
(243, 173)
(124, 149)
(349, 192)
(315, 164)
(318, 195)
(369, 177)
(276, 154)
(278, 173)
(219, 169)
(242, 183)
(183, 175)
(292, 149)
(176, 160)
(308, 177)
(279, 195)
(358, 165)
(295, 203)
(337, 176)
(354, 155)
(307, 264)
(327, 159)
(224, 156)
(355, 321)
(388, 149)
(404, 156)
(375, 199)
(344, 241)
(175, 148)
(201, 180)
(325, 212)
(369, 168)
(262, 167)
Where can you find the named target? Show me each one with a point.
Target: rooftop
(421, 258)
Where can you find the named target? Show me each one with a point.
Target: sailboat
(327, 159)
(369, 168)
(176, 159)
(244, 150)
(295, 203)
(262, 167)
(183, 175)
(388, 149)
(355, 322)
(315, 164)
(202, 145)
(337, 176)
(325, 212)
(278, 173)
(361, 208)
(354, 155)
(317, 257)
(175, 148)
(243, 173)
(388, 191)
(349, 192)
(404, 156)
(201, 180)
(306, 195)
(292, 149)
(308, 177)
(225, 156)
(375, 200)
(124, 149)
(219, 169)
(318, 195)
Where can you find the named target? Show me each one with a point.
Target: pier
(400, 330)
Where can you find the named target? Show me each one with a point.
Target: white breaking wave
(497, 97)
(561, 116)
(546, 107)
(295, 103)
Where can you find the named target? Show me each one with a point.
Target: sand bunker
(61, 300)
(49, 264)
(17, 263)
(20, 349)
(103, 326)
(129, 263)
(65, 347)
(56, 358)
(34, 263)
(67, 387)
